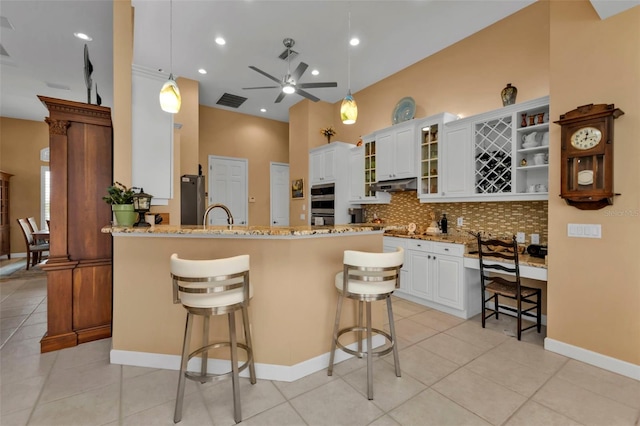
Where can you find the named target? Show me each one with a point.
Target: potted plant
(121, 199)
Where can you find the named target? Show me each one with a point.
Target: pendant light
(170, 99)
(349, 108)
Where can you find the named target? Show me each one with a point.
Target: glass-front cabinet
(362, 170)
(432, 162)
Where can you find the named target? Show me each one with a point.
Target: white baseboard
(263, 371)
(602, 361)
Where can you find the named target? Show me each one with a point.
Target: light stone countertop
(238, 230)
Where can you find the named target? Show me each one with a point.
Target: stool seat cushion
(362, 287)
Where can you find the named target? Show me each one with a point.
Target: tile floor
(453, 373)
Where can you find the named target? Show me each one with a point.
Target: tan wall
(594, 284)
(259, 140)
(20, 145)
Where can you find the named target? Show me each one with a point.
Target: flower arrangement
(327, 133)
(119, 194)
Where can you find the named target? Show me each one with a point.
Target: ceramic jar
(508, 95)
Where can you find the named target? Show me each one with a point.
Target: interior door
(228, 185)
(279, 189)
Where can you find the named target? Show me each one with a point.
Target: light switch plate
(584, 230)
(302, 216)
(535, 238)
(520, 237)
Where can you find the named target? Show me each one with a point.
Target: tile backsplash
(495, 218)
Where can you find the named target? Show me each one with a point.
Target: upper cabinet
(322, 164)
(431, 160)
(396, 151)
(151, 136)
(499, 155)
(362, 174)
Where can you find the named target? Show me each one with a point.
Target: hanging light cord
(171, 39)
(349, 55)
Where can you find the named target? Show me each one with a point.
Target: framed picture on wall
(297, 189)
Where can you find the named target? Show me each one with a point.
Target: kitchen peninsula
(292, 275)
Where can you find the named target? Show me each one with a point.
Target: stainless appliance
(192, 199)
(323, 198)
(357, 215)
(397, 185)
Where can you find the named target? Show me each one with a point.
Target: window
(45, 195)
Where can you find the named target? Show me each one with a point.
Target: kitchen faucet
(223, 207)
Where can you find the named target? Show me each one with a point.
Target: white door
(279, 188)
(228, 185)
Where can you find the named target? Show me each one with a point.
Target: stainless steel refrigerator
(192, 199)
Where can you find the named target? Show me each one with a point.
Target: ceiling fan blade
(269, 76)
(261, 87)
(300, 69)
(280, 97)
(316, 85)
(307, 95)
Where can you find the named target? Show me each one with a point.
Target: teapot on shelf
(529, 140)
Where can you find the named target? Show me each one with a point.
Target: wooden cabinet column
(79, 272)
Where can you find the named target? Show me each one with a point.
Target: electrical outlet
(535, 238)
(302, 216)
(460, 221)
(520, 237)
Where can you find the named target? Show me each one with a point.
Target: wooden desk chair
(491, 251)
(34, 249)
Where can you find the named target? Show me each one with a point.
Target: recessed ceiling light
(354, 41)
(221, 41)
(263, 110)
(83, 36)
(202, 71)
(315, 72)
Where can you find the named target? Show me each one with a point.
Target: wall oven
(323, 204)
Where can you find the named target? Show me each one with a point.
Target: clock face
(586, 138)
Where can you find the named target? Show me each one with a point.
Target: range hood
(397, 185)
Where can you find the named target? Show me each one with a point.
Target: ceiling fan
(289, 83)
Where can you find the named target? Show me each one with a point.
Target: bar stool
(213, 287)
(368, 277)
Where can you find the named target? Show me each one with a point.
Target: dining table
(41, 235)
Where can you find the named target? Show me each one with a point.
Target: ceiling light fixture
(83, 36)
(288, 89)
(349, 108)
(315, 72)
(170, 99)
(202, 71)
(221, 41)
(263, 110)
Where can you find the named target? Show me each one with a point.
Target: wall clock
(587, 155)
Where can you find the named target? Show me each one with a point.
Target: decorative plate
(404, 110)
(585, 177)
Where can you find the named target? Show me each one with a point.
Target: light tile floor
(453, 373)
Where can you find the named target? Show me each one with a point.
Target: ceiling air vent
(288, 53)
(230, 100)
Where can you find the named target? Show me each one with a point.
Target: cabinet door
(447, 280)
(385, 156)
(316, 164)
(356, 174)
(329, 170)
(456, 162)
(405, 154)
(421, 285)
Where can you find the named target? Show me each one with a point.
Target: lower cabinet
(434, 276)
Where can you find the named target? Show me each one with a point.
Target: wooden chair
(33, 224)
(492, 251)
(34, 249)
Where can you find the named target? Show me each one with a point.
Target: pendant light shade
(349, 108)
(170, 99)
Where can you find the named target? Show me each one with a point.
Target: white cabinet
(362, 174)
(322, 165)
(435, 276)
(151, 136)
(396, 147)
(389, 245)
(431, 166)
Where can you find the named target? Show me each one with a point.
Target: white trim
(602, 361)
(263, 371)
(43, 192)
